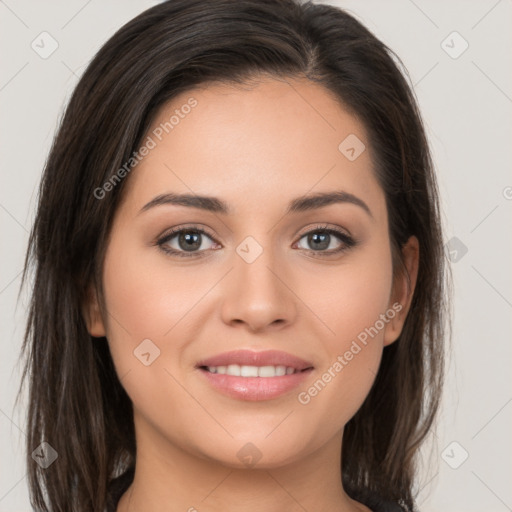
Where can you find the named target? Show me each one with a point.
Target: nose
(258, 295)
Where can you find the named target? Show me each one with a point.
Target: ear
(92, 314)
(403, 289)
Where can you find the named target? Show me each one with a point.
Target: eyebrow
(215, 205)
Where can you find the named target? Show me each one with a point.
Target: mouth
(254, 376)
(264, 372)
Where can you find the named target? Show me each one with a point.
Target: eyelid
(174, 231)
(325, 227)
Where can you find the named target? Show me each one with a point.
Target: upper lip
(260, 358)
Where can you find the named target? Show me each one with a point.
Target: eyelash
(347, 240)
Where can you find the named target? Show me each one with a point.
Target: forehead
(253, 143)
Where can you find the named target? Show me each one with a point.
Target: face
(259, 268)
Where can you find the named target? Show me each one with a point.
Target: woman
(239, 283)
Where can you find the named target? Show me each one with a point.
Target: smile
(252, 371)
(254, 375)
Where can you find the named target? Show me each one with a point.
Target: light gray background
(467, 105)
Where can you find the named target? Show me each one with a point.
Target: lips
(253, 388)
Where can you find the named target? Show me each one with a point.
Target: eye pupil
(320, 240)
(191, 240)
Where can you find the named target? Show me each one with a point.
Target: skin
(256, 148)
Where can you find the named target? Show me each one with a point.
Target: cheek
(350, 297)
(146, 296)
(146, 300)
(350, 302)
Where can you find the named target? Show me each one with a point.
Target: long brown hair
(76, 402)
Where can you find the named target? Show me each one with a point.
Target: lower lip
(255, 388)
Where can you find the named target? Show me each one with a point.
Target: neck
(169, 477)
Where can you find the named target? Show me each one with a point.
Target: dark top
(119, 485)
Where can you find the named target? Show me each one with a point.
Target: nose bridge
(257, 295)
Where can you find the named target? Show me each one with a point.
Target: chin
(255, 454)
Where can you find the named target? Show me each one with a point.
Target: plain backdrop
(458, 57)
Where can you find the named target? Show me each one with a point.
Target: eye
(185, 242)
(327, 240)
(193, 241)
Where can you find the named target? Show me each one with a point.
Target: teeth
(248, 371)
(252, 371)
(266, 371)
